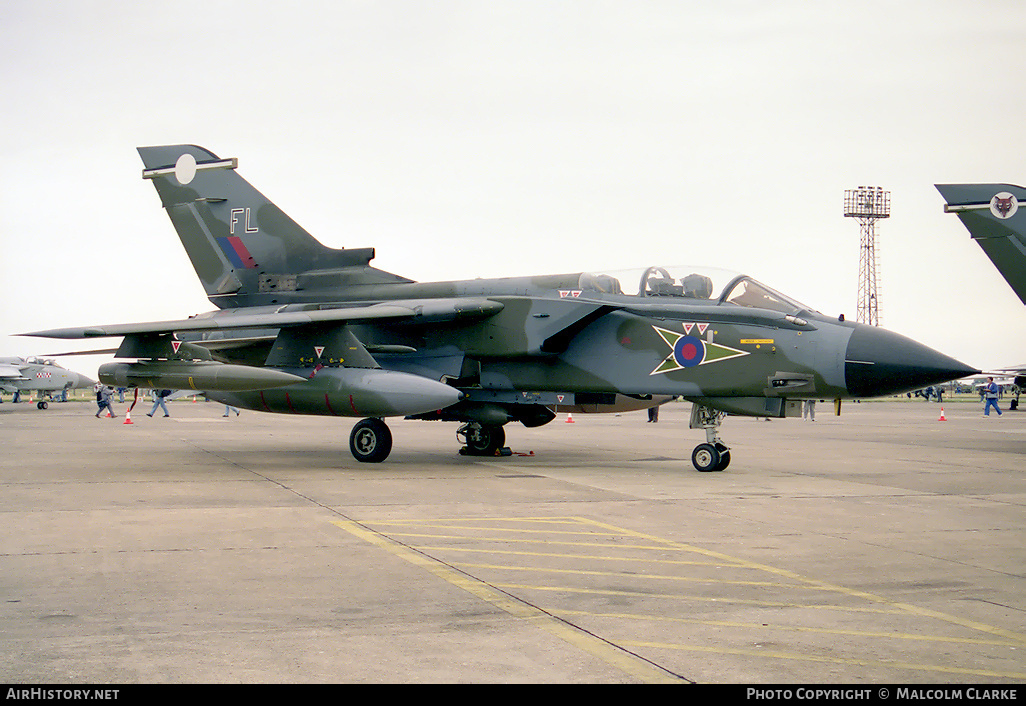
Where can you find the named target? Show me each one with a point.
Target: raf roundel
(688, 351)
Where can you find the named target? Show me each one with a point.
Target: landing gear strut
(714, 454)
(370, 441)
(481, 439)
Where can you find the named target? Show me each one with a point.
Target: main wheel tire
(371, 441)
(724, 457)
(485, 440)
(41, 404)
(706, 458)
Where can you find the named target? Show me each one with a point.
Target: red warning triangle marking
(318, 350)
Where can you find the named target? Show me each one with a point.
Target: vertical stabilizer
(245, 250)
(995, 215)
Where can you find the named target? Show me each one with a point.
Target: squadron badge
(1004, 205)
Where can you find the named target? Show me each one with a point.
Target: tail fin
(995, 215)
(245, 250)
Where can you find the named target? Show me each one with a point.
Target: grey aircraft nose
(881, 362)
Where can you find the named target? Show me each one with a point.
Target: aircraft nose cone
(881, 362)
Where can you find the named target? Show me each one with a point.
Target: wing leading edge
(419, 311)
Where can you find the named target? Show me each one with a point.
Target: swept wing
(420, 311)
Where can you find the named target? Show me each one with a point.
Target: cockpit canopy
(714, 285)
(35, 360)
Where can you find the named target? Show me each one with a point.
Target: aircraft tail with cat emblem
(245, 250)
(995, 215)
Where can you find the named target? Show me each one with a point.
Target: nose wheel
(713, 455)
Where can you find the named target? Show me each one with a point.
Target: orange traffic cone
(570, 418)
(128, 417)
(942, 419)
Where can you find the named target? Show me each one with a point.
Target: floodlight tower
(868, 204)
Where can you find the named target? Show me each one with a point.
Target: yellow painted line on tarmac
(620, 574)
(704, 599)
(823, 585)
(416, 535)
(788, 628)
(792, 580)
(554, 520)
(608, 653)
(771, 654)
(518, 530)
(595, 557)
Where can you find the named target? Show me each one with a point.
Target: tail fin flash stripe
(236, 252)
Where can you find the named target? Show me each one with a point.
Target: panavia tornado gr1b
(306, 329)
(41, 375)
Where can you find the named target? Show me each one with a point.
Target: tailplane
(245, 250)
(995, 215)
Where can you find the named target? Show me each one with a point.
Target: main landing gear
(714, 454)
(370, 441)
(481, 439)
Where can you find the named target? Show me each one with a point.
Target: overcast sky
(495, 138)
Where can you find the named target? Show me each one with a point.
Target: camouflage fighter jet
(34, 374)
(306, 329)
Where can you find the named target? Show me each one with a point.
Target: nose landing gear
(714, 454)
